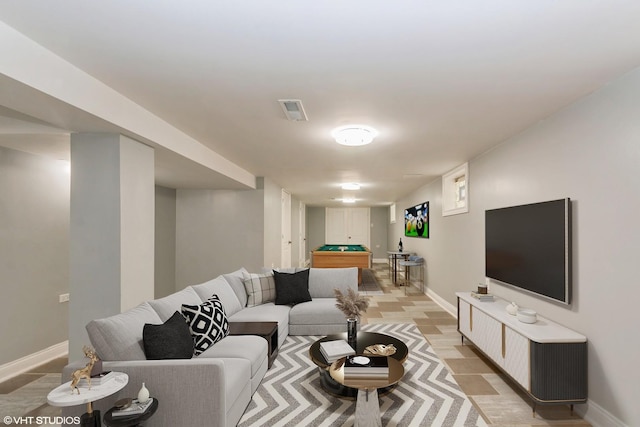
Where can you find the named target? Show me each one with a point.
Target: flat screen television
(529, 247)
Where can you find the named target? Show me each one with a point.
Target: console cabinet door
(517, 360)
(464, 318)
(487, 334)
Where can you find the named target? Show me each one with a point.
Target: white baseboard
(597, 416)
(446, 306)
(24, 364)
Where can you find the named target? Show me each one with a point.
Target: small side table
(418, 262)
(266, 330)
(395, 256)
(130, 420)
(62, 396)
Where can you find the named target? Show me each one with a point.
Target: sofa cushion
(235, 279)
(165, 307)
(250, 347)
(207, 322)
(268, 312)
(119, 337)
(261, 288)
(220, 287)
(317, 312)
(322, 281)
(170, 340)
(292, 288)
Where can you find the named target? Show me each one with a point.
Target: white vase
(143, 394)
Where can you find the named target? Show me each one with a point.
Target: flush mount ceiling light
(354, 135)
(348, 200)
(350, 186)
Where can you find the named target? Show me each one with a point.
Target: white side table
(62, 396)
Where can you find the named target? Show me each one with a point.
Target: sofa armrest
(187, 390)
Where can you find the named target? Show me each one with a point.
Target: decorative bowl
(526, 315)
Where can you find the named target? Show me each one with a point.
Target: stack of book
(482, 297)
(99, 379)
(363, 367)
(334, 350)
(136, 408)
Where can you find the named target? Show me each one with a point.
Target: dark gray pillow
(171, 340)
(292, 288)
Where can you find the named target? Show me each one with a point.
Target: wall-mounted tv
(529, 247)
(416, 220)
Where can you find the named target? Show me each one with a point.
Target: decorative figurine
(380, 350)
(85, 372)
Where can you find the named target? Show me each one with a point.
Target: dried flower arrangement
(351, 304)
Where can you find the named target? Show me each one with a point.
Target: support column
(111, 230)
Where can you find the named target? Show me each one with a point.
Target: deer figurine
(85, 372)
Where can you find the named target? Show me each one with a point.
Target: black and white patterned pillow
(207, 322)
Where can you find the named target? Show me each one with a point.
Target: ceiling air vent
(293, 110)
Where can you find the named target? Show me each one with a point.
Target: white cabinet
(515, 358)
(547, 360)
(487, 334)
(347, 226)
(464, 318)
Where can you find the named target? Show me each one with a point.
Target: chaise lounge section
(214, 387)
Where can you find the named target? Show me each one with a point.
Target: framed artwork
(416, 221)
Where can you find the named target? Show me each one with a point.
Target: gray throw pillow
(292, 288)
(171, 340)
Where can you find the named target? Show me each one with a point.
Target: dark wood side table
(266, 330)
(130, 420)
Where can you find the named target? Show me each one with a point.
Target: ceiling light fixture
(354, 135)
(350, 186)
(348, 200)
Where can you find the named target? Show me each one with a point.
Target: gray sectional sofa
(214, 388)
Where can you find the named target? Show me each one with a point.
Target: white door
(285, 261)
(302, 245)
(358, 226)
(336, 232)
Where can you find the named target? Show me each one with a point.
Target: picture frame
(416, 221)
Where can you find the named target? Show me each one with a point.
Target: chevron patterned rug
(290, 393)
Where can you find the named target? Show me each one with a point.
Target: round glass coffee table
(364, 339)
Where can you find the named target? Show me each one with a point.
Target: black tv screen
(529, 247)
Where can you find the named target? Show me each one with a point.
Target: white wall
(34, 253)
(589, 152)
(165, 242)
(111, 229)
(272, 252)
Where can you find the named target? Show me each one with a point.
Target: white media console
(548, 361)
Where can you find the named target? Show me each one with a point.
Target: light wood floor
(499, 403)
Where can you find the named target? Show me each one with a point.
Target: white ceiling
(442, 81)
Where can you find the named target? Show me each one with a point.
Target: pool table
(337, 256)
